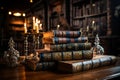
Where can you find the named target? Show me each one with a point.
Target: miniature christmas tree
(11, 55)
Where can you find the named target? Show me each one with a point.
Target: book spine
(30, 64)
(45, 66)
(70, 46)
(57, 40)
(70, 40)
(69, 34)
(67, 55)
(86, 65)
(58, 33)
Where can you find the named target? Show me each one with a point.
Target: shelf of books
(91, 16)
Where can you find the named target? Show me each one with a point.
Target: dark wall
(115, 18)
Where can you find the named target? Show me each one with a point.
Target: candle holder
(26, 45)
(34, 35)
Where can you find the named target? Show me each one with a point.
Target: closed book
(58, 33)
(59, 40)
(66, 55)
(69, 46)
(84, 65)
(45, 66)
(35, 66)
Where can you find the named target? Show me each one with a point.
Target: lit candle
(40, 28)
(93, 23)
(37, 29)
(25, 27)
(58, 26)
(33, 23)
(87, 28)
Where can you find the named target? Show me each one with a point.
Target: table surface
(21, 73)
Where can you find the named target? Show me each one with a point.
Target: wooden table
(20, 73)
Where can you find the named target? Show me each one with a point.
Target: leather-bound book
(84, 65)
(68, 46)
(39, 66)
(59, 33)
(63, 40)
(66, 55)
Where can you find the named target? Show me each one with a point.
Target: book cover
(58, 33)
(66, 55)
(60, 40)
(69, 46)
(35, 66)
(84, 65)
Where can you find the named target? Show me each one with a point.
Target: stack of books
(69, 52)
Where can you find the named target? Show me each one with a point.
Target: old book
(59, 40)
(69, 46)
(45, 66)
(66, 55)
(35, 66)
(58, 33)
(83, 65)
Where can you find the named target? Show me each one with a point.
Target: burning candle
(58, 26)
(40, 28)
(25, 28)
(33, 23)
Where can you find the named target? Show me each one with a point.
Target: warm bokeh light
(31, 1)
(23, 14)
(17, 14)
(9, 12)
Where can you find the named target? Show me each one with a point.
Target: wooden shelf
(93, 15)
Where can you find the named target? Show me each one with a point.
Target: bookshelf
(16, 26)
(91, 17)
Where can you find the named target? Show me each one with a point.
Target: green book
(83, 65)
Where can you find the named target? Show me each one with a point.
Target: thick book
(60, 40)
(66, 55)
(35, 66)
(83, 65)
(69, 46)
(58, 33)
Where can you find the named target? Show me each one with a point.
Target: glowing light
(31, 1)
(23, 14)
(17, 14)
(9, 12)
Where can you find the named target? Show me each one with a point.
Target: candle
(87, 28)
(37, 29)
(33, 23)
(40, 28)
(25, 28)
(58, 26)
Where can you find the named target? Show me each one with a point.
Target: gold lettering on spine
(77, 54)
(47, 56)
(67, 55)
(57, 56)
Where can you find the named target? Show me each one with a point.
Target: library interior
(59, 40)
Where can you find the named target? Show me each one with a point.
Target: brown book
(83, 65)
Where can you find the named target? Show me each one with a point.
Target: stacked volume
(65, 46)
